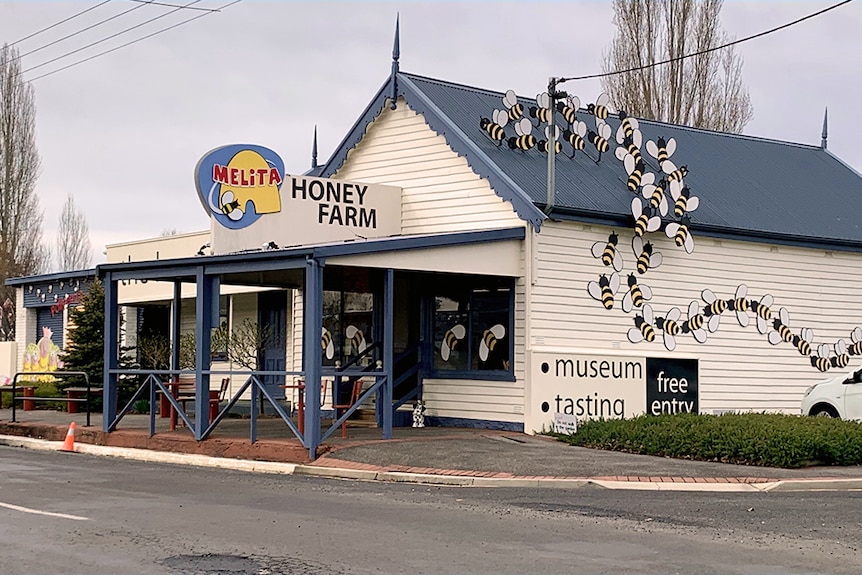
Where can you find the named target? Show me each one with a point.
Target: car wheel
(824, 411)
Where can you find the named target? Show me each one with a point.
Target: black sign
(671, 385)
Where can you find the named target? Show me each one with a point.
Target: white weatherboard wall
(441, 193)
(739, 369)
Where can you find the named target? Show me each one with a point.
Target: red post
(72, 406)
(29, 405)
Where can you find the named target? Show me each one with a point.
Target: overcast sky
(123, 132)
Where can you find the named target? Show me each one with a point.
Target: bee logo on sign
(237, 184)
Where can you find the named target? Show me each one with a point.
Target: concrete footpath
(439, 456)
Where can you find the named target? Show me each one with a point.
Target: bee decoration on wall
(654, 195)
(608, 252)
(604, 289)
(822, 360)
(490, 338)
(599, 139)
(841, 358)
(643, 329)
(740, 305)
(713, 310)
(661, 149)
(636, 171)
(647, 257)
(628, 129)
(542, 111)
(855, 347)
(569, 109)
(525, 139)
(636, 294)
(643, 222)
(694, 323)
(674, 174)
(494, 126)
(762, 312)
(543, 145)
(600, 108)
(229, 205)
(781, 327)
(576, 136)
(357, 339)
(630, 147)
(680, 233)
(803, 340)
(327, 344)
(514, 110)
(683, 201)
(450, 340)
(670, 327)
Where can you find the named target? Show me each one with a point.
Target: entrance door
(272, 312)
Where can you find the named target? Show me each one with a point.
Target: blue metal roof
(749, 187)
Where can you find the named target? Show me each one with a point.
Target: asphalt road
(72, 513)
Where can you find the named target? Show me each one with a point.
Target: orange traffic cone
(69, 442)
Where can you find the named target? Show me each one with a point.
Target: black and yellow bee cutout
(636, 294)
(643, 329)
(628, 130)
(490, 339)
(638, 176)
(644, 222)
(600, 108)
(451, 339)
(576, 136)
(821, 360)
(604, 289)
(763, 312)
(670, 327)
(568, 108)
(647, 257)
(713, 310)
(524, 140)
(608, 252)
(655, 197)
(661, 149)
(543, 145)
(855, 347)
(357, 339)
(542, 111)
(695, 322)
(599, 139)
(230, 205)
(326, 344)
(514, 110)
(680, 233)
(494, 127)
(683, 201)
(841, 358)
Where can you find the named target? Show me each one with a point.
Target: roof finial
(314, 150)
(825, 133)
(396, 53)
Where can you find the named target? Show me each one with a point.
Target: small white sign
(565, 423)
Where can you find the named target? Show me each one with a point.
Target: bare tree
(704, 91)
(21, 248)
(73, 238)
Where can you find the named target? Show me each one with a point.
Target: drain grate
(225, 564)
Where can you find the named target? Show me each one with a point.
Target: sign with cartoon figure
(566, 385)
(253, 203)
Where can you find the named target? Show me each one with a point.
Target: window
(472, 328)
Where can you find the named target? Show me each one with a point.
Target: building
(677, 270)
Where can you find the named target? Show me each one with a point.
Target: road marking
(48, 513)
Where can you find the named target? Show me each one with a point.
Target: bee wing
(692, 203)
(762, 325)
(669, 341)
(637, 137)
(647, 178)
(459, 330)
(856, 334)
(674, 314)
(699, 335)
(543, 100)
(621, 134)
(598, 248)
(647, 313)
(693, 309)
(784, 316)
(655, 260)
(712, 324)
(581, 129)
(646, 191)
(807, 334)
(526, 126)
(671, 229)
(617, 261)
(595, 290)
(668, 167)
(707, 296)
(500, 118)
(767, 300)
(654, 223)
(519, 128)
(742, 318)
(637, 207)
(670, 148)
(652, 149)
(635, 335)
(615, 282)
(638, 248)
(444, 351)
(741, 291)
(621, 154)
(646, 291)
(510, 99)
(628, 161)
(628, 302)
(603, 99)
(688, 244)
(675, 188)
(605, 131)
(823, 350)
(840, 347)
(774, 338)
(574, 103)
(662, 206)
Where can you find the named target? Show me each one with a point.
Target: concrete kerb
(253, 466)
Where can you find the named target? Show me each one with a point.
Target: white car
(839, 396)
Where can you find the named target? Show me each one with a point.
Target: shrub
(764, 439)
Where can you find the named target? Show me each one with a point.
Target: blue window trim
(473, 374)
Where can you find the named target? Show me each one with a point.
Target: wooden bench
(76, 395)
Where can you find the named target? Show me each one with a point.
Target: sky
(122, 132)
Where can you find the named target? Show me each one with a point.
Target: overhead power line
(72, 17)
(701, 52)
(201, 8)
(142, 38)
(106, 38)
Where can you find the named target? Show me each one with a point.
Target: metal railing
(57, 374)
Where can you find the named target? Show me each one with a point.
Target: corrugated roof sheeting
(745, 184)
